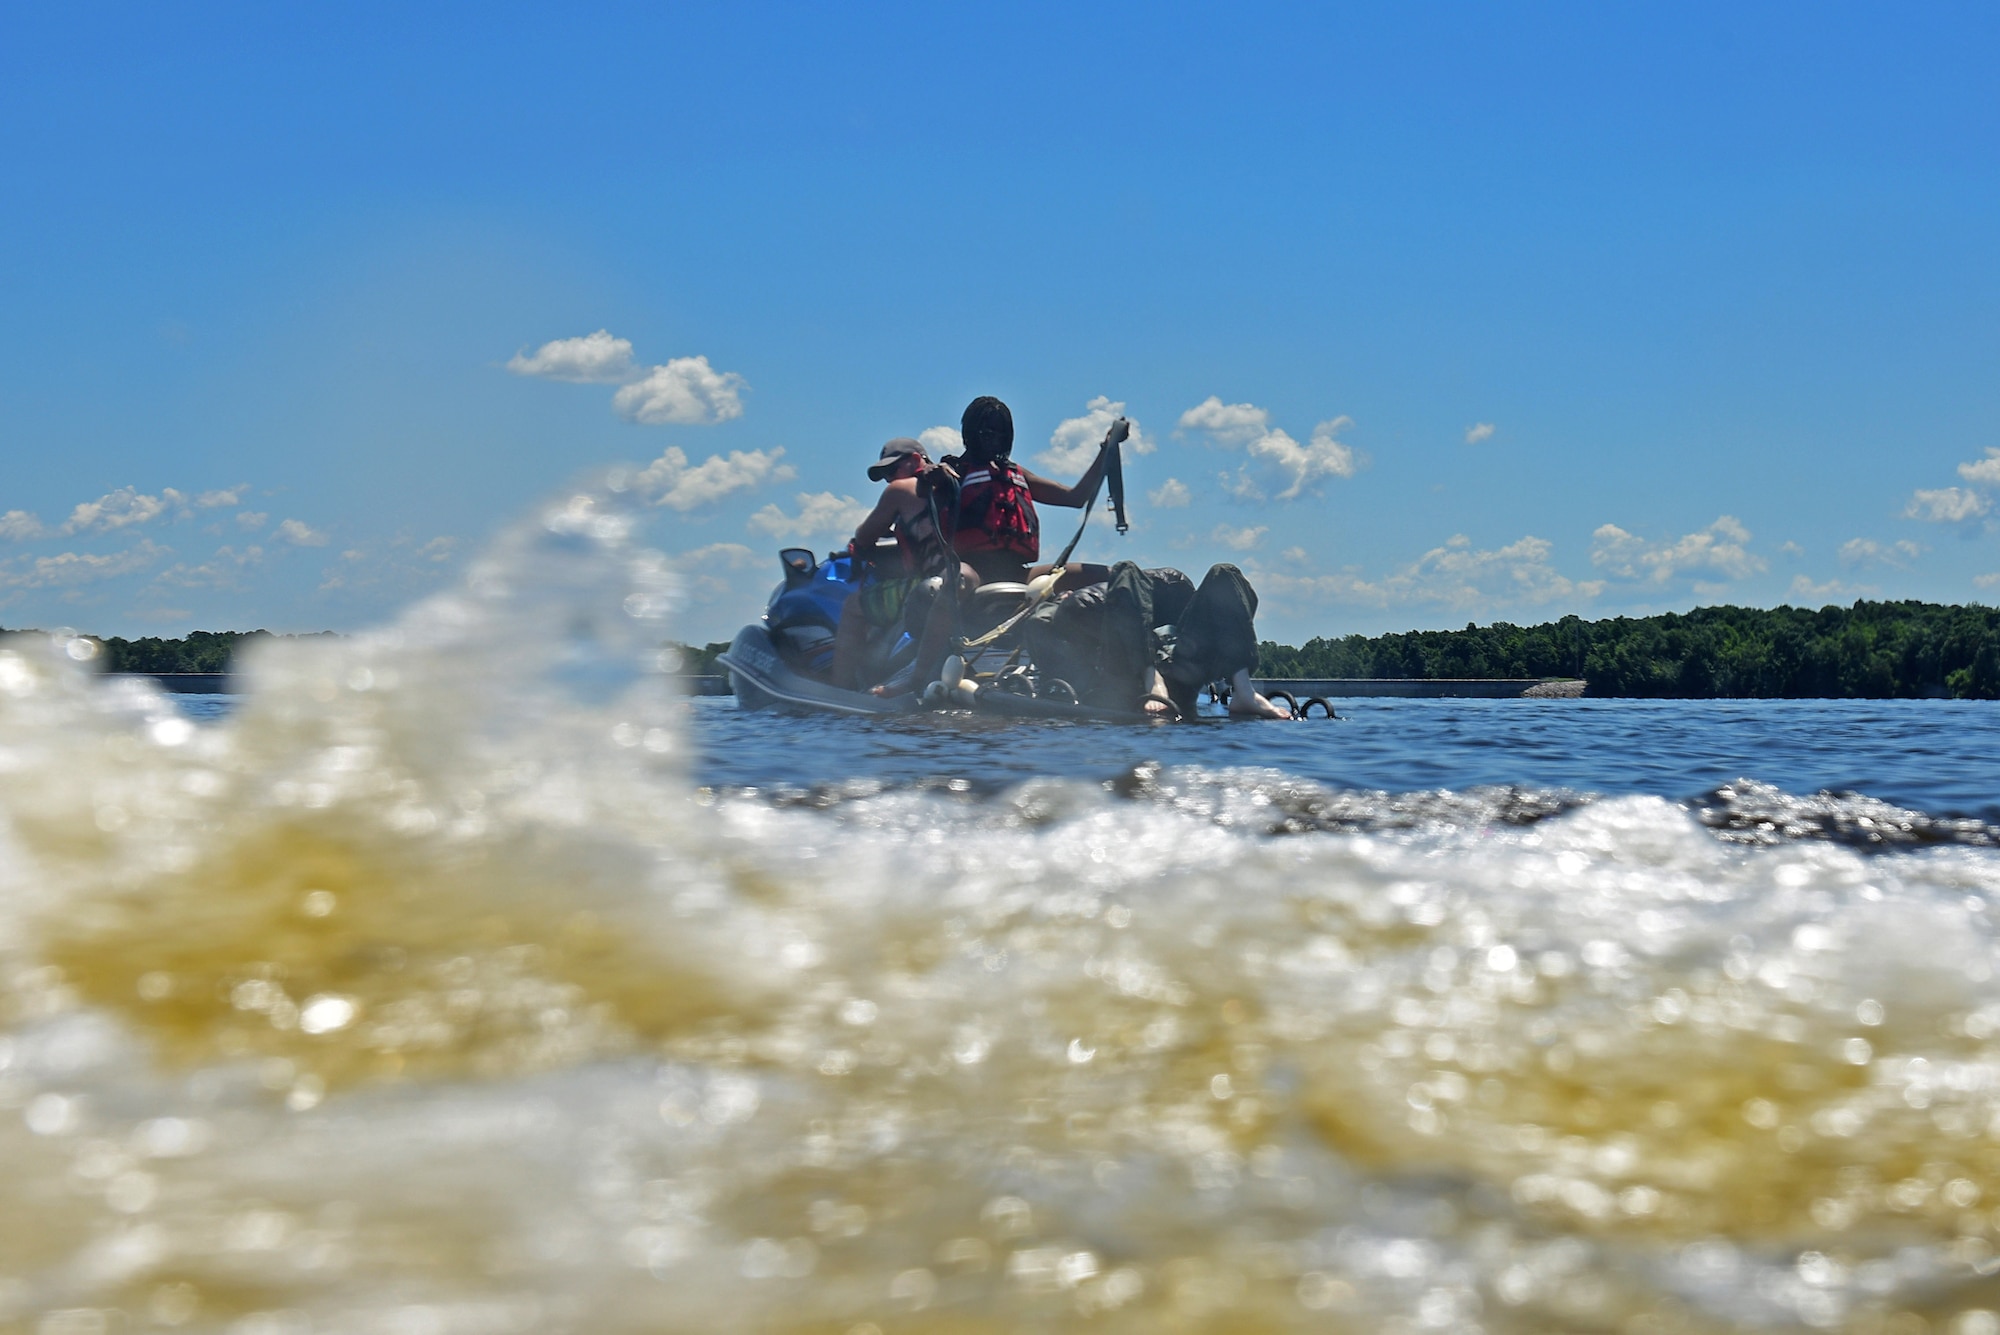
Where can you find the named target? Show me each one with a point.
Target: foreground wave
(428, 994)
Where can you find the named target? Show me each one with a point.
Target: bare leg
(850, 641)
(1245, 702)
(935, 642)
(1076, 574)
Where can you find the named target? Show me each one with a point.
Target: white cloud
(593, 359)
(1322, 456)
(1985, 472)
(301, 534)
(1170, 495)
(405, 564)
(1868, 552)
(1239, 539)
(1790, 548)
(1281, 458)
(686, 391)
(1946, 505)
(1477, 432)
(1226, 423)
(1720, 548)
(939, 441)
(1298, 556)
(20, 526)
(1453, 575)
(120, 509)
(224, 570)
(1991, 581)
(1804, 588)
(1073, 444)
(671, 482)
(215, 500)
(820, 514)
(252, 518)
(68, 569)
(726, 555)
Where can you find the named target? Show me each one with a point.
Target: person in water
(899, 591)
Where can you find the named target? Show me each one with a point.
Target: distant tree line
(198, 651)
(1867, 651)
(699, 662)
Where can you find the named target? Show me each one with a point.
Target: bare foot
(1245, 702)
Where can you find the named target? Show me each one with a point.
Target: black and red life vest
(995, 512)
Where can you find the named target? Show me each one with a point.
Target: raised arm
(1046, 492)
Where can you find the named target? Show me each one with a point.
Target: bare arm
(896, 499)
(1046, 492)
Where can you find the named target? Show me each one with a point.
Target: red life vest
(995, 513)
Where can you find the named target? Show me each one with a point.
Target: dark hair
(987, 428)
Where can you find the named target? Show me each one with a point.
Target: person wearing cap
(893, 590)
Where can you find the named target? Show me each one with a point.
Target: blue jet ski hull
(761, 679)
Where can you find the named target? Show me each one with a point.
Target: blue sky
(1429, 314)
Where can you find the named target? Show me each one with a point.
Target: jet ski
(784, 660)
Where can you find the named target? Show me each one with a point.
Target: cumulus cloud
(671, 481)
(1073, 444)
(724, 555)
(301, 534)
(1983, 472)
(1232, 424)
(1239, 539)
(939, 441)
(224, 570)
(215, 500)
(252, 518)
(1456, 575)
(405, 563)
(1720, 549)
(595, 358)
(1804, 589)
(820, 514)
(120, 509)
(1170, 495)
(1991, 581)
(1868, 552)
(20, 526)
(1477, 432)
(1278, 460)
(686, 391)
(1947, 505)
(69, 569)
(1322, 456)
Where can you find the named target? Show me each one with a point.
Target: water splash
(425, 993)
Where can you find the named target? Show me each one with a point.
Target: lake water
(460, 977)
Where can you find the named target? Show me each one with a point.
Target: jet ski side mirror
(799, 566)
